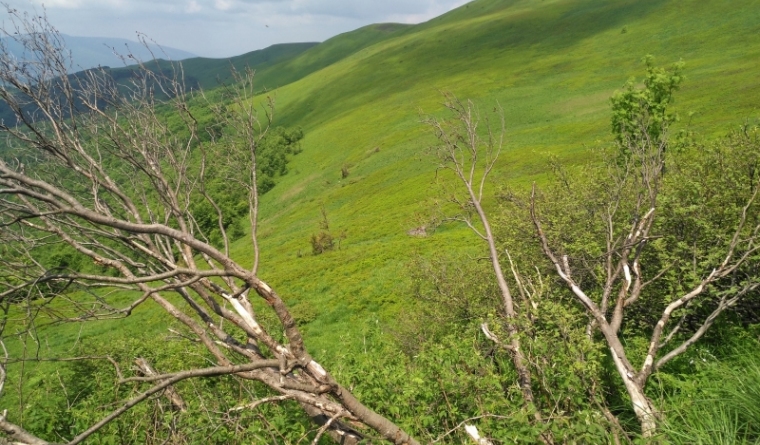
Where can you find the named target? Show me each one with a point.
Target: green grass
(722, 405)
(325, 54)
(552, 65)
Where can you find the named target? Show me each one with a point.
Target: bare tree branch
(461, 151)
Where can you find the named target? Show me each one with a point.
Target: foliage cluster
(454, 295)
(700, 204)
(324, 240)
(80, 393)
(648, 107)
(273, 153)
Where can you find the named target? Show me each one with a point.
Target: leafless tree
(471, 157)
(111, 170)
(629, 221)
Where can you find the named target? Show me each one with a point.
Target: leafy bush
(272, 156)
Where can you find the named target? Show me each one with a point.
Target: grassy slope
(552, 64)
(325, 54)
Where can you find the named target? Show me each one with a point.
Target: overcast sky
(223, 28)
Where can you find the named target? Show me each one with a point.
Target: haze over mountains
(91, 52)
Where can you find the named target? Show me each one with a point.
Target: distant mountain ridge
(91, 52)
(209, 73)
(280, 64)
(199, 72)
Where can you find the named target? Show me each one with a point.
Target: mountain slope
(280, 65)
(552, 65)
(327, 53)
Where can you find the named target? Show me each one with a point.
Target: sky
(224, 28)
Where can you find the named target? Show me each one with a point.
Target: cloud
(223, 5)
(68, 4)
(193, 7)
(359, 9)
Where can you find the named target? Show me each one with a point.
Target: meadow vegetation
(416, 326)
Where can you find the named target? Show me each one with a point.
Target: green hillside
(325, 54)
(552, 65)
(209, 73)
